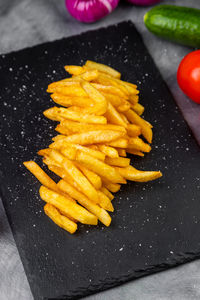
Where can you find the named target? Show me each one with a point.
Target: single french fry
(133, 99)
(149, 124)
(58, 137)
(99, 167)
(119, 143)
(93, 137)
(94, 179)
(119, 161)
(40, 175)
(132, 88)
(87, 75)
(101, 214)
(124, 118)
(138, 108)
(100, 102)
(58, 170)
(105, 79)
(133, 174)
(108, 151)
(49, 161)
(65, 100)
(61, 143)
(113, 116)
(112, 91)
(69, 152)
(124, 106)
(105, 202)
(74, 70)
(133, 130)
(60, 113)
(135, 152)
(107, 193)
(134, 118)
(102, 68)
(77, 127)
(63, 130)
(60, 220)
(115, 100)
(113, 187)
(64, 204)
(57, 156)
(121, 152)
(44, 152)
(70, 88)
(138, 144)
(129, 86)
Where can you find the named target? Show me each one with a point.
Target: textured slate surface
(155, 224)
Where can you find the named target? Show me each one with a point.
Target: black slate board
(155, 225)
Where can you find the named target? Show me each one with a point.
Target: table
(24, 23)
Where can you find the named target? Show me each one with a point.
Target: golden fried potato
(103, 68)
(64, 204)
(99, 167)
(77, 127)
(109, 151)
(133, 174)
(99, 124)
(101, 214)
(118, 161)
(60, 113)
(94, 137)
(135, 119)
(62, 221)
(40, 175)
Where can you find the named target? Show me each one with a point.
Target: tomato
(188, 75)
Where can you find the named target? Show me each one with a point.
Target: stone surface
(24, 23)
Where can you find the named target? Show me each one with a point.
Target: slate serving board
(155, 225)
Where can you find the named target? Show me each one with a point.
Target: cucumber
(176, 23)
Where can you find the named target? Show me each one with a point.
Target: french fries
(62, 221)
(103, 68)
(109, 151)
(64, 204)
(118, 161)
(78, 127)
(101, 168)
(91, 176)
(101, 214)
(93, 137)
(43, 178)
(70, 101)
(133, 174)
(99, 123)
(60, 113)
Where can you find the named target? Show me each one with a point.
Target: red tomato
(188, 75)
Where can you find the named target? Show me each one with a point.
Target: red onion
(143, 2)
(88, 11)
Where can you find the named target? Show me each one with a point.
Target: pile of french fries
(99, 123)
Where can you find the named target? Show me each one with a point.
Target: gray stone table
(25, 23)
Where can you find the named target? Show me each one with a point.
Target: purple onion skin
(89, 11)
(143, 2)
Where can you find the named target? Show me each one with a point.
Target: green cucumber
(175, 23)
